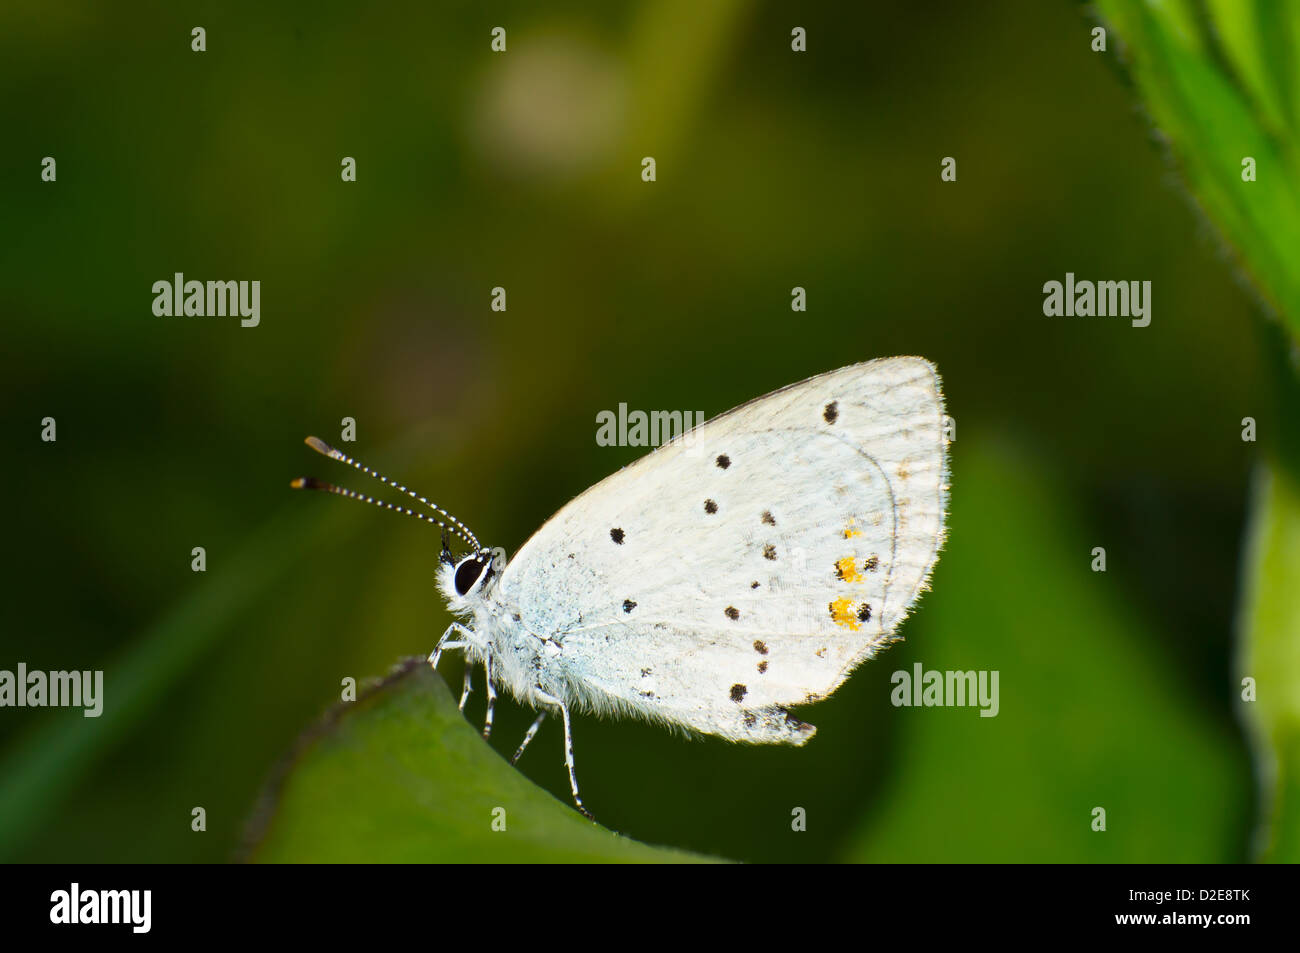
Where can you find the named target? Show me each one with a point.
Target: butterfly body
(536, 669)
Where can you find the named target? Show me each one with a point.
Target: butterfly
(744, 568)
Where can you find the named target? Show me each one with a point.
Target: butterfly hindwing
(752, 564)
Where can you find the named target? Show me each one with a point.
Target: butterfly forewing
(753, 564)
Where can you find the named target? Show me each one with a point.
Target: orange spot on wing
(846, 570)
(842, 614)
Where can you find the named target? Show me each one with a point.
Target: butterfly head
(466, 581)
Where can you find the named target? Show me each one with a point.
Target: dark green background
(522, 170)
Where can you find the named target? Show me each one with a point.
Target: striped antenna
(311, 483)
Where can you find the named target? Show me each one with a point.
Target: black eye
(467, 574)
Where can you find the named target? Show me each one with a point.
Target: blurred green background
(522, 170)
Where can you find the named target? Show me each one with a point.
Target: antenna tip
(320, 446)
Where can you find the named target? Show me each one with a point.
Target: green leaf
(400, 776)
(1270, 654)
(1220, 87)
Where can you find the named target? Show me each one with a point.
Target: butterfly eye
(467, 574)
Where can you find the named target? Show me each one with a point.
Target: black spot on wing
(769, 551)
(710, 507)
(832, 412)
(872, 564)
(738, 693)
(616, 535)
(628, 605)
(864, 614)
(723, 461)
(732, 613)
(760, 646)
(762, 667)
(768, 518)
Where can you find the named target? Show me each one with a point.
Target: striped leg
(529, 737)
(568, 749)
(469, 683)
(443, 645)
(491, 696)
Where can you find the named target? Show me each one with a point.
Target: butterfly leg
(491, 696)
(469, 684)
(529, 737)
(443, 645)
(568, 749)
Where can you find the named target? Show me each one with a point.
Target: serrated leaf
(1220, 89)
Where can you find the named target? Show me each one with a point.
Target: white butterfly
(745, 567)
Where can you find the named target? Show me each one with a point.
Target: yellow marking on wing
(852, 530)
(842, 614)
(846, 570)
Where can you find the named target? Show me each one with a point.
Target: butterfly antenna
(310, 483)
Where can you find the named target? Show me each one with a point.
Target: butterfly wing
(752, 563)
